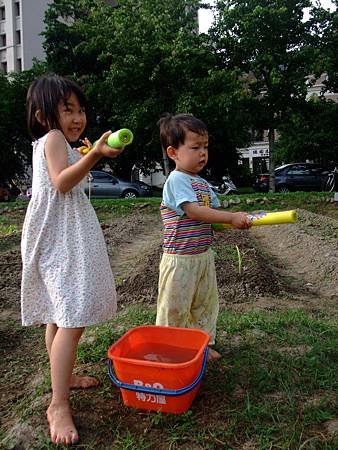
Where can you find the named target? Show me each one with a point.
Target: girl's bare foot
(62, 428)
(78, 381)
(213, 355)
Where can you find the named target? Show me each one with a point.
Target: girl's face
(191, 156)
(72, 118)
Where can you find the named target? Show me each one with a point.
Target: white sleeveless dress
(66, 275)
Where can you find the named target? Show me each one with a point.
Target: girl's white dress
(66, 275)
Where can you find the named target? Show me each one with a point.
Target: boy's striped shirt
(185, 236)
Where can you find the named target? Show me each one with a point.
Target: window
(2, 40)
(17, 9)
(3, 67)
(318, 170)
(2, 13)
(18, 37)
(100, 177)
(298, 170)
(19, 65)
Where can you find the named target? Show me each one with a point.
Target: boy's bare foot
(78, 381)
(213, 355)
(62, 428)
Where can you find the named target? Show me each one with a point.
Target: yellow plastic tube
(264, 218)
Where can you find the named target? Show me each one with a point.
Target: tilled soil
(279, 266)
(280, 260)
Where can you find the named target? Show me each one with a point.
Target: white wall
(32, 25)
(29, 24)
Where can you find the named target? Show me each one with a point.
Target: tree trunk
(272, 183)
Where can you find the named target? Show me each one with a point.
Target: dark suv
(295, 177)
(105, 185)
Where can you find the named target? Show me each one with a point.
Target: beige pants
(187, 292)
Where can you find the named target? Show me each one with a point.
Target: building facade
(316, 88)
(256, 156)
(21, 22)
(21, 25)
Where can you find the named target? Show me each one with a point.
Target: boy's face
(191, 156)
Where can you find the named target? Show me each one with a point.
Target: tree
(6, 159)
(326, 27)
(67, 37)
(269, 42)
(15, 150)
(310, 132)
(138, 61)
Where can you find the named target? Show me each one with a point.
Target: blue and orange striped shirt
(184, 236)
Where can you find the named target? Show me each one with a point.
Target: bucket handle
(150, 390)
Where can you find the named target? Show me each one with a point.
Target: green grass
(263, 390)
(313, 201)
(273, 201)
(103, 336)
(122, 207)
(10, 224)
(8, 230)
(230, 252)
(275, 387)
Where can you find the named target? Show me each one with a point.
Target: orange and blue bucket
(159, 368)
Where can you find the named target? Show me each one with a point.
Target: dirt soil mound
(305, 254)
(282, 265)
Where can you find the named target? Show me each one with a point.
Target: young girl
(67, 281)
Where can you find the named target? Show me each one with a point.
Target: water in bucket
(163, 353)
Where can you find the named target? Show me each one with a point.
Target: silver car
(104, 185)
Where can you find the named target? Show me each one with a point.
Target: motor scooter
(225, 187)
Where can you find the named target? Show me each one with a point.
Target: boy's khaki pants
(188, 295)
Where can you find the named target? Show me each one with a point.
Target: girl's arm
(209, 215)
(63, 176)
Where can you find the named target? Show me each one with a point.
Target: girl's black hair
(45, 94)
(173, 129)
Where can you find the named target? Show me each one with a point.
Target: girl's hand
(86, 142)
(85, 148)
(103, 149)
(241, 220)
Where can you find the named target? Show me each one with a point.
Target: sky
(205, 16)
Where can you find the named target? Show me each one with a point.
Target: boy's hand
(241, 220)
(102, 148)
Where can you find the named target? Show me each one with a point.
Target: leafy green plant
(239, 260)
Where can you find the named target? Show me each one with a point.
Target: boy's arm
(209, 215)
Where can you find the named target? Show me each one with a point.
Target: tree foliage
(15, 150)
(145, 57)
(326, 28)
(310, 132)
(139, 61)
(269, 41)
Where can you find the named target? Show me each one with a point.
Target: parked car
(105, 185)
(294, 177)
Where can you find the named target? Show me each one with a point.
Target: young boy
(188, 295)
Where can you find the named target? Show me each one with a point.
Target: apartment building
(21, 22)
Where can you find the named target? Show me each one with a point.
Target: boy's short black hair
(44, 94)
(173, 129)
